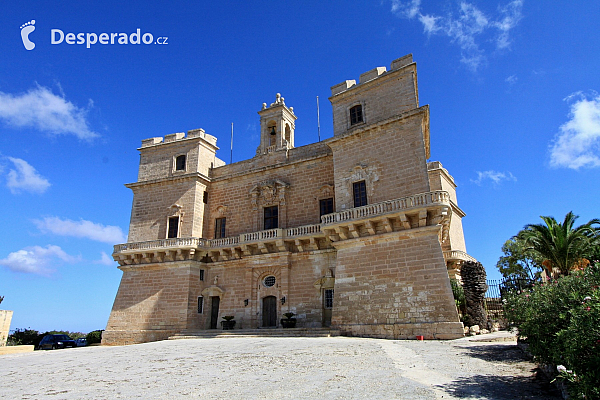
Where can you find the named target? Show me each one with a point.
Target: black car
(51, 342)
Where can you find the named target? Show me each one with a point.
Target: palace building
(357, 232)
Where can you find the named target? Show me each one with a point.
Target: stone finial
(278, 100)
(264, 106)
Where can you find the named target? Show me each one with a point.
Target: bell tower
(277, 124)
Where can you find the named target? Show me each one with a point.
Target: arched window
(356, 115)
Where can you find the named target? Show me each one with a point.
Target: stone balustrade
(458, 255)
(439, 197)
(261, 235)
(189, 242)
(404, 213)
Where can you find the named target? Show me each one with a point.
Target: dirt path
(275, 368)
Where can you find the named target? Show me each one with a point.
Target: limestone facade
(357, 232)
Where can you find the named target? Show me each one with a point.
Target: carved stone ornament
(271, 191)
(175, 210)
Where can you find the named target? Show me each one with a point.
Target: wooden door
(214, 311)
(269, 310)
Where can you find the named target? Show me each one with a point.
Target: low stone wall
(5, 318)
(16, 349)
(122, 338)
(429, 330)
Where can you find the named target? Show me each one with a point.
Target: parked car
(51, 342)
(81, 342)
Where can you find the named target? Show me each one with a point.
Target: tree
(473, 277)
(519, 262)
(559, 244)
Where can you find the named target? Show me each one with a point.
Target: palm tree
(560, 244)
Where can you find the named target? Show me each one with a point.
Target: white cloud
(82, 229)
(494, 176)
(467, 27)
(578, 142)
(511, 80)
(41, 109)
(36, 259)
(25, 178)
(105, 259)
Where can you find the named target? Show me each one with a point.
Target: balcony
(420, 210)
(425, 209)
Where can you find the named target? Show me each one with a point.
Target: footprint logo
(26, 29)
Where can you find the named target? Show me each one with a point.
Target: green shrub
(94, 337)
(560, 321)
(25, 337)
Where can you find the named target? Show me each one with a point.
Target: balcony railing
(262, 235)
(458, 255)
(305, 230)
(161, 243)
(390, 206)
(410, 203)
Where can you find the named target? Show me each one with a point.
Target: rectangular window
(326, 206)
(205, 197)
(180, 163)
(173, 228)
(219, 228)
(359, 190)
(356, 115)
(202, 275)
(271, 218)
(328, 298)
(200, 305)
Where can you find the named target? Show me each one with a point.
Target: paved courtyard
(276, 368)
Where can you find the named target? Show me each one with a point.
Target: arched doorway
(269, 311)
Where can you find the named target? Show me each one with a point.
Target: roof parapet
(372, 74)
(175, 137)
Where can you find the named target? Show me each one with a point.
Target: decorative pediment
(175, 210)
(213, 291)
(326, 191)
(222, 211)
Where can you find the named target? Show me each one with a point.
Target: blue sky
(512, 86)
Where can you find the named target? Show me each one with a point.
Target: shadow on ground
(497, 353)
(502, 387)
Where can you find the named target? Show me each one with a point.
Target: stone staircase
(264, 332)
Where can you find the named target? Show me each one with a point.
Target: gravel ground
(276, 368)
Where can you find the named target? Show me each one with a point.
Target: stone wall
(395, 286)
(372, 155)
(152, 302)
(5, 318)
(381, 93)
(308, 181)
(151, 209)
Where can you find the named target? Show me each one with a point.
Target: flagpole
(231, 152)
(318, 120)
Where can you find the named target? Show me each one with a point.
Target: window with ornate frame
(328, 298)
(173, 227)
(271, 217)
(325, 206)
(359, 190)
(220, 227)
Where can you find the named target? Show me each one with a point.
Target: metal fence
(497, 289)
